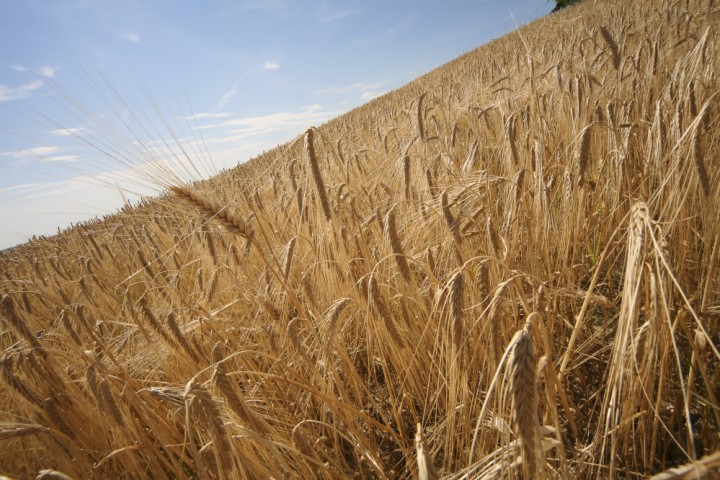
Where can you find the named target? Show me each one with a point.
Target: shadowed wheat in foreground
(508, 268)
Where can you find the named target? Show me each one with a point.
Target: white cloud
(19, 68)
(369, 95)
(23, 188)
(227, 96)
(46, 154)
(47, 72)
(329, 17)
(204, 115)
(271, 5)
(40, 208)
(353, 87)
(271, 66)
(70, 132)
(133, 37)
(18, 93)
(241, 129)
(31, 152)
(60, 158)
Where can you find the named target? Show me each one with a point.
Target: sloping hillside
(509, 268)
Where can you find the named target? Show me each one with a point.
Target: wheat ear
(229, 220)
(397, 250)
(614, 51)
(312, 160)
(47, 474)
(456, 287)
(10, 430)
(698, 158)
(523, 391)
(583, 155)
(420, 120)
(406, 176)
(426, 469)
(381, 308)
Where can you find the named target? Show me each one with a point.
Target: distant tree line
(560, 4)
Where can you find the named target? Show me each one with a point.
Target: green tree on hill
(560, 4)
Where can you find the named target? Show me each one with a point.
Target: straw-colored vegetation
(509, 268)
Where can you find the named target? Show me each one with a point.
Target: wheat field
(508, 268)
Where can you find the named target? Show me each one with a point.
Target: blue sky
(246, 74)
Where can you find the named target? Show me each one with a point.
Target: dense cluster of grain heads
(509, 268)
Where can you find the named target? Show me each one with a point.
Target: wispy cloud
(47, 72)
(369, 95)
(205, 115)
(18, 93)
(22, 188)
(329, 17)
(70, 132)
(60, 158)
(40, 208)
(31, 152)
(19, 68)
(270, 66)
(272, 5)
(133, 37)
(250, 127)
(48, 154)
(353, 87)
(225, 99)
